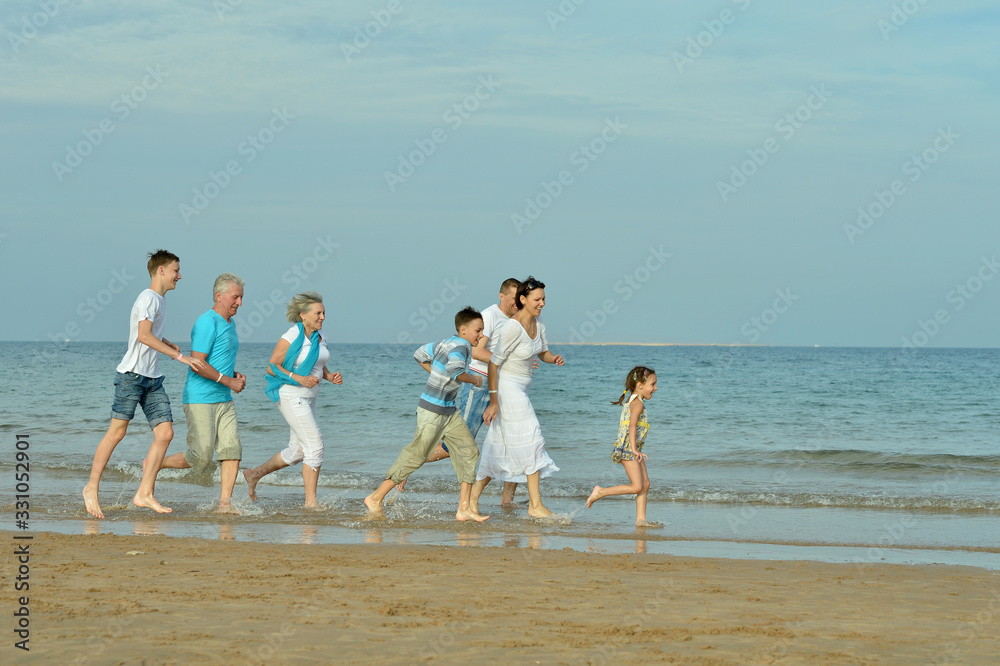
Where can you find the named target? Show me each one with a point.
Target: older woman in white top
(296, 367)
(514, 449)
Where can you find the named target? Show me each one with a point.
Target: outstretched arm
(164, 346)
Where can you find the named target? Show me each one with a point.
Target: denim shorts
(131, 390)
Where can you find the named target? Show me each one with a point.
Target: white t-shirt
(139, 358)
(493, 317)
(317, 369)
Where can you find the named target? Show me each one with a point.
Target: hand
(557, 359)
(477, 381)
(196, 364)
(490, 413)
(308, 381)
(534, 364)
(640, 456)
(171, 345)
(237, 382)
(335, 378)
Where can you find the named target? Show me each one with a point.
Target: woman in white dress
(514, 449)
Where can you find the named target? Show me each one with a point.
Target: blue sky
(406, 174)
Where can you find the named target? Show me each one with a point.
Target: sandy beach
(107, 599)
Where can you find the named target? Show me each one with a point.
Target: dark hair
(466, 315)
(510, 283)
(528, 285)
(635, 376)
(160, 258)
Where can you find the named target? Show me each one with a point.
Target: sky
(780, 173)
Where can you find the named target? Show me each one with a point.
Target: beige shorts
(211, 428)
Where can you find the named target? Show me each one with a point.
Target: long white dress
(514, 446)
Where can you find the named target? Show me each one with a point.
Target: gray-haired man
(208, 403)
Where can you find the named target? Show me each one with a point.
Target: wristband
(219, 378)
(180, 355)
(492, 391)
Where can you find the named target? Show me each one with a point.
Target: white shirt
(493, 317)
(139, 358)
(317, 369)
(515, 351)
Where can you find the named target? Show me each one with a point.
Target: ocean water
(861, 455)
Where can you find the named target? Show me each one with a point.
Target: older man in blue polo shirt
(208, 401)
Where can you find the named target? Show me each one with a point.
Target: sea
(860, 455)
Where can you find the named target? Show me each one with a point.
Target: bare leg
(477, 489)
(175, 461)
(228, 469)
(438, 454)
(310, 479)
(162, 434)
(254, 475)
(465, 511)
(641, 496)
(635, 471)
(374, 501)
(535, 507)
(115, 434)
(507, 498)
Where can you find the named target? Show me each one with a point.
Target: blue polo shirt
(212, 335)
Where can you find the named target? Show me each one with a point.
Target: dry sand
(190, 601)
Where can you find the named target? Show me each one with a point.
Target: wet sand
(106, 599)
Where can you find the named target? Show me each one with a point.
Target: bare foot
(470, 515)
(648, 523)
(150, 503)
(313, 506)
(594, 496)
(90, 501)
(438, 454)
(372, 506)
(540, 512)
(225, 506)
(251, 484)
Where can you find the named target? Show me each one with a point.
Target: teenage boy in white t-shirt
(139, 382)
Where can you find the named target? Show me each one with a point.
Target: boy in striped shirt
(437, 417)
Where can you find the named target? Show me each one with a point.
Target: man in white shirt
(473, 400)
(139, 382)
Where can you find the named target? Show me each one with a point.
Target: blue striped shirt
(448, 358)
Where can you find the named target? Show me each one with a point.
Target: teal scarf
(275, 381)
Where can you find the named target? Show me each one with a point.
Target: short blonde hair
(300, 304)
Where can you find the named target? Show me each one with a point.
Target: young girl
(641, 383)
